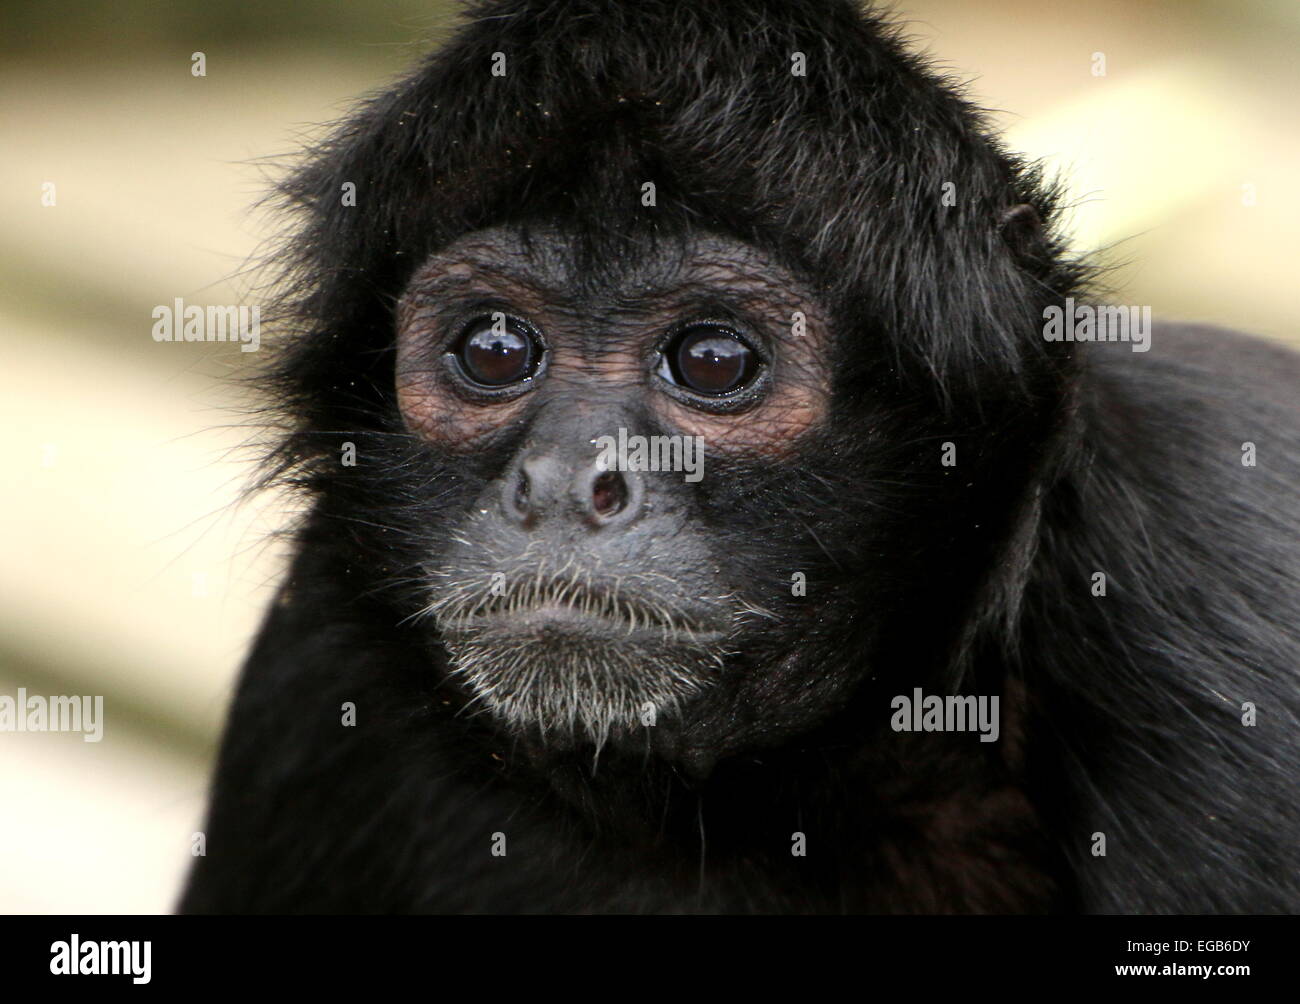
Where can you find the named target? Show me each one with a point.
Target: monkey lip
(560, 622)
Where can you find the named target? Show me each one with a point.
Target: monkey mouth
(561, 612)
(574, 660)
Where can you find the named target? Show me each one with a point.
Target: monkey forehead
(553, 265)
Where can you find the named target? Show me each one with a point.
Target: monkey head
(557, 299)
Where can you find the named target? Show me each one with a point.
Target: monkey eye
(709, 359)
(497, 350)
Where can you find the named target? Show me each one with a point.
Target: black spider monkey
(513, 668)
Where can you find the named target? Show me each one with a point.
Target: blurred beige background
(129, 568)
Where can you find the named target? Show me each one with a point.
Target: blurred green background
(129, 567)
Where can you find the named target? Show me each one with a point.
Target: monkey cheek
(775, 429)
(445, 421)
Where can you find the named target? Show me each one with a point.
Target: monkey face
(589, 588)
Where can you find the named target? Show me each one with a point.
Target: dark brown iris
(710, 359)
(495, 355)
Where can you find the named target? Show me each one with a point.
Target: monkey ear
(1022, 229)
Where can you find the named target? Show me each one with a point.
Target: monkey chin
(569, 677)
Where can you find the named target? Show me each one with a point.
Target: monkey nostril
(608, 494)
(517, 500)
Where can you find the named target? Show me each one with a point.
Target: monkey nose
(539, 485)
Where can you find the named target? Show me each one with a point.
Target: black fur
(1121, 714)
